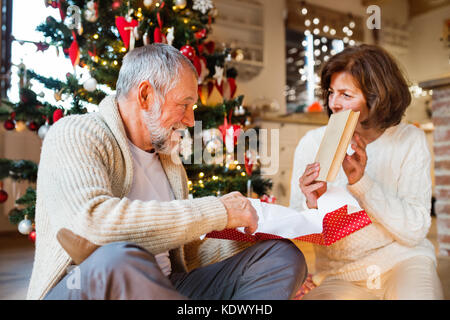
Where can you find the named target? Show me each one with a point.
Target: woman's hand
(312, 189)
(355, 165)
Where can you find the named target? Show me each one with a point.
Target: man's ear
(146, 93)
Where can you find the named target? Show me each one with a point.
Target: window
(313, 35)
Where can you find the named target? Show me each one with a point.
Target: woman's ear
(146, 95)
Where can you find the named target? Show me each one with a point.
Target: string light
(201, 174)
(95, 36)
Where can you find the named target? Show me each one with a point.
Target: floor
(16, 259)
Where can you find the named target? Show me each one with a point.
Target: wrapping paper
(338, 215)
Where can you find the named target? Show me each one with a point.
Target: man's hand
(240, 212)
(78, 248)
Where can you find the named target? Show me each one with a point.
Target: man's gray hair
(157, 63)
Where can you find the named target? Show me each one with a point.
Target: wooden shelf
(238, 25)
(242, 4)
(315, 118)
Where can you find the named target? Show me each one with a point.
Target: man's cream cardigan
(85, 171)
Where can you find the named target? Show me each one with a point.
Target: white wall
(270, 82)
(428, 58)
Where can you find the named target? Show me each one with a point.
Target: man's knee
(296, 259)
(288, 255)
(117, 256)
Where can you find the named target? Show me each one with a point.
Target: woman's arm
(406, 215)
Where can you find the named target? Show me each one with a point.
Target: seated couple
(119, 211)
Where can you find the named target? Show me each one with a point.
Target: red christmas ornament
(157, 36)
(74, 51)
(41, 46)
(32, 126)
(197, 64)
(233, 87)
(248, 166)
(231, 130)
(32, 236)
(227, 88)
(188, 52)
(200, 34)
(3, 196)
(9, 125)
(125, 28)
(52, 3)
(116, 5)
(200, 48)
(58, 114)
(210, 88)
(210, 45)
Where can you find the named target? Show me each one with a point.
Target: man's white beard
(162, 139)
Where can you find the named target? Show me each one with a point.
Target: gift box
(321, 226)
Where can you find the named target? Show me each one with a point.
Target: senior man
(112, 201)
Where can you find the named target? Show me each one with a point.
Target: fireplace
(441, 121)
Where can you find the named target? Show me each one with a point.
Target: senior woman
(388, 173)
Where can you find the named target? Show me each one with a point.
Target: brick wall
(441, 121)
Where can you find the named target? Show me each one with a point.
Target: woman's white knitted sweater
(395, 191)
(85, 171)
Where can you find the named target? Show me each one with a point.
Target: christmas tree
(95, 36)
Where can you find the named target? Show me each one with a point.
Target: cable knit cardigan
(395, 191)
(85, 171)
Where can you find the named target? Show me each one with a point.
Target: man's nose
(189, 118)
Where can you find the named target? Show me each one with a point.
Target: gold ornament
(180, 4)
(20, 126)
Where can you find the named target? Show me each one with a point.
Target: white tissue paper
(289, 223)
